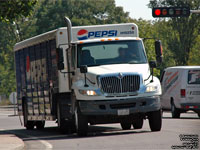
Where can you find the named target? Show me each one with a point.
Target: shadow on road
(52, 133)
(189, 118)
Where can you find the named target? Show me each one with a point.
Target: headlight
(151, 88)
(88, 92)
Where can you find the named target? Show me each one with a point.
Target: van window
(194, 77)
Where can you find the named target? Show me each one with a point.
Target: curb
(11, 142)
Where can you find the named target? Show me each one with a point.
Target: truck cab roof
(106, 39)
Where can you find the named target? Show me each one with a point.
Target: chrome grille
(120, 84)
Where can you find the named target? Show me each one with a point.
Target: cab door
(72, 65)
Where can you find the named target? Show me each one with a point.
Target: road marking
(45, 143)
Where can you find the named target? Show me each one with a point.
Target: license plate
(122, 112)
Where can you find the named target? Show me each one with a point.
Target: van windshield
(112, 52)
(194, 77)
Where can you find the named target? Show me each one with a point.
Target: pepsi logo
(82, 34)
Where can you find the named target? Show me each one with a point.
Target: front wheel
(81, 123)
(62, 125)
(137, 124)
(155, 120)
(175, 112)
(126, 125)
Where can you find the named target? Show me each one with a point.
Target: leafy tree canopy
(182, 32)
(81, 12)
(12, 9)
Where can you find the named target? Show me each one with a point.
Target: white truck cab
(181, 89)
(88, 74)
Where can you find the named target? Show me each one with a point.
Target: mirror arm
(73, 73)
(85, 81)
(152, 75)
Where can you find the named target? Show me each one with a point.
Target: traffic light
(171, 12)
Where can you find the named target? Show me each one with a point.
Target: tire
(175, 112)
(155, 120)
(137, 124)
(62, 124)
(125, 125)
(198, 114)
(40, 125)
(81, 123)
(28, 124)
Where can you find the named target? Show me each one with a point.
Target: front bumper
(112, 107)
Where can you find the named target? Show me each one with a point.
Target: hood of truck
(142, 69)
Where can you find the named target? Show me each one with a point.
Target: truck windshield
(112, 52)
(194, 77)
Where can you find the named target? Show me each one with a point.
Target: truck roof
(80, 33)
(183, 67)
(107, 39)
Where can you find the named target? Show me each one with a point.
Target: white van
(181, 89)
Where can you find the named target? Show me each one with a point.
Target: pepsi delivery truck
(87, 75)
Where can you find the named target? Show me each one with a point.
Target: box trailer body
(181, 89)
(111, 90)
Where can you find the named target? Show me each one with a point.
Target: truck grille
(120, 84)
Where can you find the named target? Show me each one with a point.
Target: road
(106, 137)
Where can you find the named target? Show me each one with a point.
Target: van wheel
(126, 125)
(155, 120)
(175, 112)
(137, 124)
(198, 114)
(40, 125)
(81, 123)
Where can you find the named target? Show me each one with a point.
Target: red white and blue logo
(82, 34)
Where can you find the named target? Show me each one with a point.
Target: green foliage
(5, 103)
(12, 9)
(81, 12)
(7, 74)
(181, 32)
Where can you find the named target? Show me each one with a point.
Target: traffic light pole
(195, 11)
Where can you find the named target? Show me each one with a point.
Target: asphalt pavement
(173, 135)
(8, 140)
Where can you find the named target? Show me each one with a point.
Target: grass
(5, 102)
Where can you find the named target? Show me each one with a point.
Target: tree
(12, 9)
(81, 12)
(182, 32)
(46, 15)
(7, 74)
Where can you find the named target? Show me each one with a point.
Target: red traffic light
(157, 12)
(171, 12)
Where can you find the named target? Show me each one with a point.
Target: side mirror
(152, 64)
(60, 58)
(158, 50)
(83, 69)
